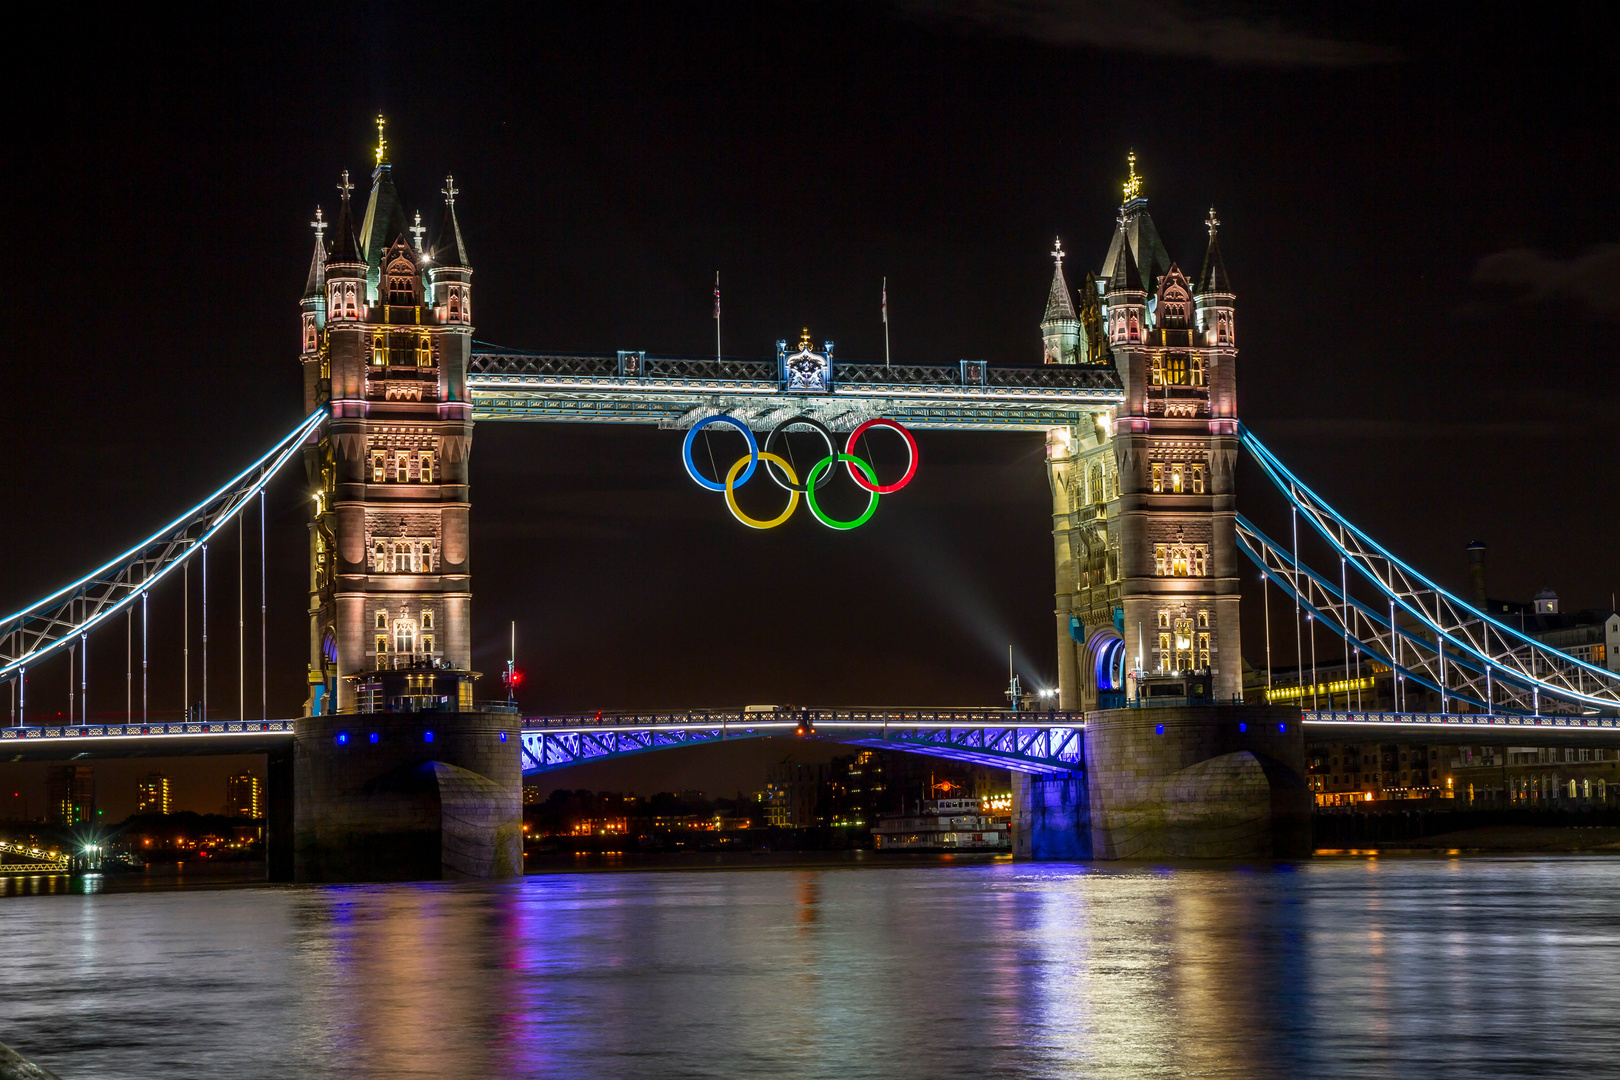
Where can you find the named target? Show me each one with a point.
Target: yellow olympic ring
(731, 498)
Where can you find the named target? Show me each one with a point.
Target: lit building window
(1203, 619)
(404, 636)
(427, 620)
(427, 644)
(380, 558)
(1158, 370)
(1175, 477)
(382, 620)
(1164, 620)
(382, 644)
(1136, 330)
(1198, 369)
(377, 468)
(1158, 477)
(1159, 567)
(1198, 479)
(402, 558)
(427, 468)
(1184, 644)
(1176, 370)
(1164, 652)
(1097, 493)
(1203, 650)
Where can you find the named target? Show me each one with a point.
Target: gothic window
(377, 468)
(1159, 564)
(382, 644)
(380, 558)
(1203, 650)
(1175, 477)
(382, 620)
(1184, 644)
(1223, 331)
(1199, 555)
(309, 333)
(427, 644)
(427, 620)
(401, 282)
(1164, 620)
(1176, 369)
(1158, 477)
(1180, 557)
(1203, 620)
(455, 305)
(1096, 484)
(1136, 330)
(1158, 370)
(427, 468)
(402, 466)
(404, 636)
(1164, 652)
(402, 557)
(1198, 369)
(1198, 479)
(427, 557)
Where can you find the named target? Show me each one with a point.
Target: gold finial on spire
(1213, 222)
(805, 344)
(1057, 253)
(382, 143)
(1133, 185)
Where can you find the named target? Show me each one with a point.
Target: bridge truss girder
(1001, 742)
(48, 625)
(1455, 649)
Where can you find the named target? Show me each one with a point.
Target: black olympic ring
(781, 429)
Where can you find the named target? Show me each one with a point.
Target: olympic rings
(777, 467)
(793, 493)
(849, 460)
(686, 451)
(782, 428)
(828, 464)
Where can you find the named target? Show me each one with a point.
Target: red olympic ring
(868, 485)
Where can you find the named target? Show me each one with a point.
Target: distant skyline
(1418, 220)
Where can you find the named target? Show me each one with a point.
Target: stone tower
(387, 333)
(1143, 507)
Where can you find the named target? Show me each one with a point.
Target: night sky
(1418, 218)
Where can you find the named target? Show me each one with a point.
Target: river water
(1341, 967)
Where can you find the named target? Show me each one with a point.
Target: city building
(152, 795)
(1537, 778)
(1347, 774)
(855, 789)
(244, 796)
(793, 795)
(70, 792)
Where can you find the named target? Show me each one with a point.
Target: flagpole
(885, 322)
(717, 316)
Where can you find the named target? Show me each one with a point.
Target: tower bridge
(396, 769)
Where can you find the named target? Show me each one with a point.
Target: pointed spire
(1126, 277)
(450, 250)
(315, 285)
(382, 143)
(417, 230)
(1133, 184)
(345, 248)
(1059, 305)
(1212, 279)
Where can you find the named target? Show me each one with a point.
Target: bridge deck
(633, 388)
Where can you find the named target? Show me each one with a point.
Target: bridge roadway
(1031, 742)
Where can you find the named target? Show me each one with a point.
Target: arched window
(401, 282)
(402, 557)
(1176, 369)
(455, 305)
(1198, 369)
(427, 620)
(1136, 330)
(1158, 370)
(1223, 331)
(380, 558)
(404, 636)
(378, 469)
(427, 468)
(427, 644)
(382, 620)
(1096, 485)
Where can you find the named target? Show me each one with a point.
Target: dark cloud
(1160, 28)
(1592, 278)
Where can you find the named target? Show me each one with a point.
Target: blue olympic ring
(686, 451)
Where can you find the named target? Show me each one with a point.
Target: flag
(885, 301)
(717, 297)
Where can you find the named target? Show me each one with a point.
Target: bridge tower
(387, 332)
(1143, 506)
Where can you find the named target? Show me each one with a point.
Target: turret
(1060, 329)
(1215, 319)
(449, 273)
(313, 302)
(1138, 235)
(345, 268)
(1126, 298)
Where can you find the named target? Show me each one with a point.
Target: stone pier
(407, 797)
(1177, 782)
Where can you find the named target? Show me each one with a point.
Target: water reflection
(1339, 968)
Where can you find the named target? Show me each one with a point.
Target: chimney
(1476, 575)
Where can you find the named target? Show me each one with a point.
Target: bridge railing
(128, 731)
(956, 718)
(1503, 721)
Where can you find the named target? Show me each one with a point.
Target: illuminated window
(402, 558)
(1199, 554)
(1203, 650)
(401, 282)
(1164, 652)
(427, 620)
(1179, 559)
(382, 644)
(380, 558)
(1097, 494)
(1184, 644)
(1203, 620)
(1158, 370)
(1136, 330)
(1158, 476)
(401, 467)
(382, 620)
(1198, 479)
(404, 636)
(427, 557)
(377, 468)
(455, 305)
(1175, 477)
(1223, 331)
(1176, 369)
(1164, 620)
(427, 468)
(1198, 369)
(427, 643)
(1159, 568)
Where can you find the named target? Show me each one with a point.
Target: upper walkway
(634, 388)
